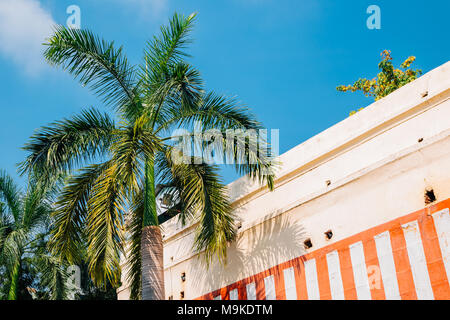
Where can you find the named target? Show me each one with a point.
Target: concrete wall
(361, 178)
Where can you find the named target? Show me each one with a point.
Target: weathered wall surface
(364, 179)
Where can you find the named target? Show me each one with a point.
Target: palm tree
(24, 221)
(125, 158)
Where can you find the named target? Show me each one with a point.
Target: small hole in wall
(424, 94)
(182, 294)
(308, 244)
(328, 183)
(183, 276)
(420, 140)
(239, 225)
(171, 298)
(329, 234)
(430, 197)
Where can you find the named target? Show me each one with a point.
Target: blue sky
(283, 59)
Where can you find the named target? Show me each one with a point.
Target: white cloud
(24, 26)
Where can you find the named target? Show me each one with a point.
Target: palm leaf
(168, 47)
(94, 62)
(67, 143)
(10, 194)
(12, 247)
(36, 207)
(224, 114)
(203, 198)
(181, 86)
(134, 144)
(163, 63)
(71, 212)
(105, 228)
(54, 276)
(213, 111)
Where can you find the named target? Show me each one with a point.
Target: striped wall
(408, 259)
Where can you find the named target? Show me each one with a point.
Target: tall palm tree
(136, 153)
(24, 222)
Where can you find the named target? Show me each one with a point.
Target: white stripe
(251, 291)
(387, 266)
(234, 295)
(334, 273)
(312, 285)
(360, 271)
(269, 284)
(417, 261)
(442, 223)
(289, 284)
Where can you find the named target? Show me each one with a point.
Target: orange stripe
(260, 287)
(280, 288)
(375, 280)
(435, 264)
(300, 279)
(323, 278)
(224, 294)
(242, 291)
(402, 266)
(347, 274)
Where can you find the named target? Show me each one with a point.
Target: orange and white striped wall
(364, 179)
(407, 258)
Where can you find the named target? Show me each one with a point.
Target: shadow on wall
(268, 244)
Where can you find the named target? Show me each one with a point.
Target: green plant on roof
(387, 81)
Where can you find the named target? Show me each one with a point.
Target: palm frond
(181, 86)
(203, 198)
(10, 194)
(249, 152)
(11, 250)
(64, 144)
(6, 226)
(95, 62)
(71, 212)
(134, 143)
(37, 216)
(168, 48)
(105, 228)
(213, 111)
(217, 222)
(53, 276)
(36, 207)
(161, 57)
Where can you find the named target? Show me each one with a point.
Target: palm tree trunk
(12, 295)
(151, 242)
(152, 264)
